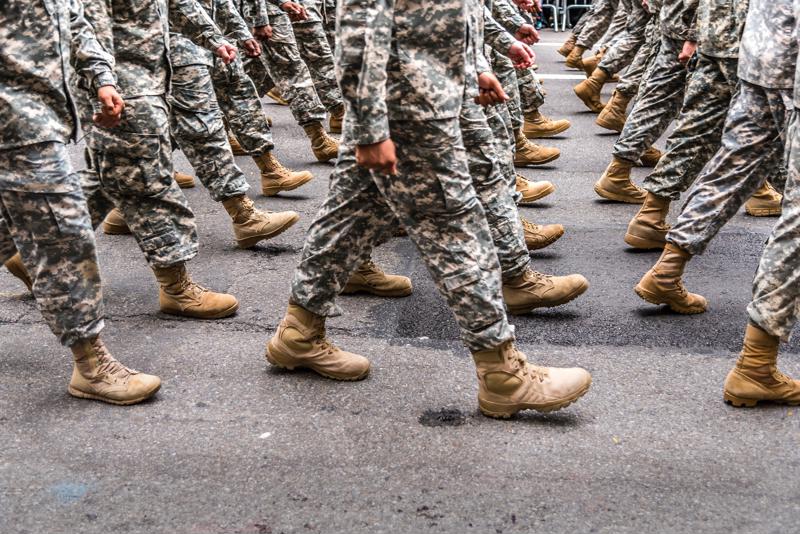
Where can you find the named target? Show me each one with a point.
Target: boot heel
(738, 401)
(642, 243)
(497, 411)
(273, 361)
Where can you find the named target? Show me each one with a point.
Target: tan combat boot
(537, 126)
(575, 57)
(540, 236)
(17, 268)
(276, 178)
(529, 154)
(650, 157)
(648, 228)
(97, 375)
(568, 45)
(300, 342)
(589, 64)
(336, 120)
(184, 181)
(662, 283)
(765, 202)
(180, 295)
(236, 148)
(251, 225)
(507, 383)
(533, 191)
(615, 184)
(614, 115)
(325, 147)
(532, 290)
(589, 90)
(114, 224)
(276, 97)
(755, 377)
(369, 278)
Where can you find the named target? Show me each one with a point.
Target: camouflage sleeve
(189, 18)
(365, 39)
(254, 13)
(231, 22)
(92, 62)
(507, 15)
(495, 35)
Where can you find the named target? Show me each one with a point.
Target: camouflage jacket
(37, 37)
(719, 26)
(403, 60)
(507, 14)
(184, 52)
(495, 35)
(139, 38)
(678, 19)
(768, 49)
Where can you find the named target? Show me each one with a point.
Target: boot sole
(546, 244)
(763, 212)
(274, 362)
(740, 402)
(547, 191)
(608, 195)
(577, 292)
(520, 163)
(653, 299)
(271, 191)
(350, 290)
(83, 395)
(115, 230)
(251, 241)
(545, 135)
(219, 315)
(608, 125)
(499, 411)
(21, 275)
(642, 243)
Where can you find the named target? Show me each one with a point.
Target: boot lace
(108, 365)
(521, 364)
(529, 226)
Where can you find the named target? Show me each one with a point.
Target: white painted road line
(561, 76)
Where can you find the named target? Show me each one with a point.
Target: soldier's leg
(597, 24)
(134, 163)
(532, 96)
(617, 27)
(329, 21)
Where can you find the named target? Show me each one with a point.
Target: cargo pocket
(130, 162)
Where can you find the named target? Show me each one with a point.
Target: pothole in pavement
(442, 417)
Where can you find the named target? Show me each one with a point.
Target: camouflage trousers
(199, 130)
(617, 27)
(496, 190)
(329, 21)
(621, 53)
(698, 129)
(280, 65)
(241, 107)
(776, 287)
(434, 199)
(657, 105)
(44, 217)
(134, 165)
(499, 121)
(316, 52)
(752, 149)
(531, 92)
(507, 75)
(598, 20)
(630, 82)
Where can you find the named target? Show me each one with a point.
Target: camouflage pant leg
(617, 26)
(256, 69)
(198, 128)
(495, 191)
(504, 70)
(621, 54)
(698, 129)
(329, 21)
(290, 73)
(316, 52)
(597, 23)
(134, 162)
(630, 82)
(43, 215)
(500, 122)
(241, 107)
(657, 107)
(752, 149)
(531, 92)
(776, 287)
(434, 198)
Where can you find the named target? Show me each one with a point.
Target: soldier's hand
(111, 106)
(295, 11)
(263, 32)
(689, 48)
(252, 48)
(490, 90)
(226, 53)
(521, 55)
(379, 157)
(527, 34)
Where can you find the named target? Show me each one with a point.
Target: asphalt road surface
(231, 446)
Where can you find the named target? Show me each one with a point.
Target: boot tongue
(107, 364)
